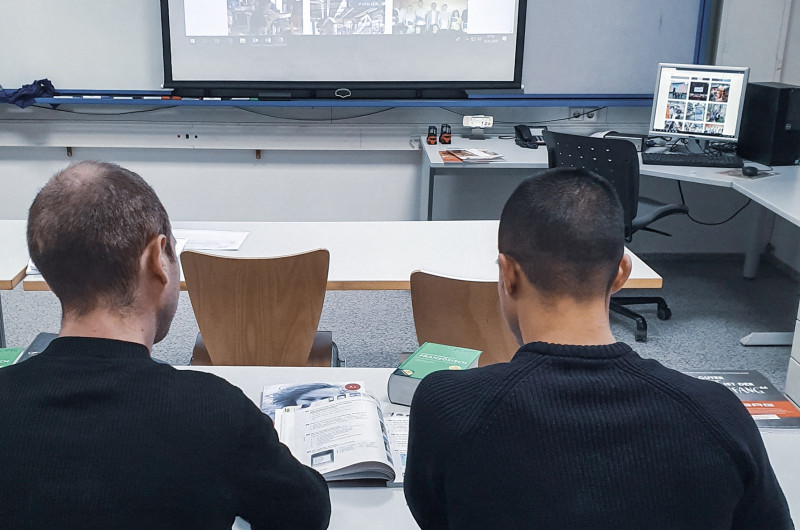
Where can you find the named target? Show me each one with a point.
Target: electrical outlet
(576, 114)
(592, 114)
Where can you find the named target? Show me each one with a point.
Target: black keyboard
(691, 159)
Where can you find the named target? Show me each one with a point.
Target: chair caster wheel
(664, 314)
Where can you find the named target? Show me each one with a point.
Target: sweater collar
(607, 351)
(84, 347)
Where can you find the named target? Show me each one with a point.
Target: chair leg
(641, 323)
(324, 352)
(336, 361)
(663, 311)
(200, 356)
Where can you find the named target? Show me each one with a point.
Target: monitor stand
(696, 146)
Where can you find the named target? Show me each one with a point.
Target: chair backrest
(464, 313)
(257, 311)
(616, 160)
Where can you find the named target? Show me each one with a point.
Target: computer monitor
(698, 101)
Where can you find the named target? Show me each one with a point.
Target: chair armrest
(650, 211)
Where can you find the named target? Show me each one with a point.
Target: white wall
(339, 167)
(344, 164)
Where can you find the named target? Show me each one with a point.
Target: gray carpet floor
(712, 308)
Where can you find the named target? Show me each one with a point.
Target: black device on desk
(692, 159)
(525, 138)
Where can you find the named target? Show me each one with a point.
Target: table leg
(759, 239)
(430, 194)
(765, 221)
(768, 338)
(426, 190)
(2, 326)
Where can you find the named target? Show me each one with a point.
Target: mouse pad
(738, 173)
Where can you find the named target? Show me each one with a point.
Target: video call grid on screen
(343, 40)
(700, 102)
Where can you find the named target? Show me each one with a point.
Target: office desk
(355, 508)
(514, 157)
(382, 255)
(13, 261)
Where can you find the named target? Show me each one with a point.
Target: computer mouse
(749, 171)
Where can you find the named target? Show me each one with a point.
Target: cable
(689, 215)
(244, 109)
(45, 107)
(156, 109)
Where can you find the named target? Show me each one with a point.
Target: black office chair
(617, 161)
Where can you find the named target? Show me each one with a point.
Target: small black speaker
(770, 130)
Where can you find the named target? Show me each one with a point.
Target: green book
(428, 358)
(9, 356)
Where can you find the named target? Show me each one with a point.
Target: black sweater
(586, 437)
(95, 434)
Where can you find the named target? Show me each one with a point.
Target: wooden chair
(463, 313)
(259, 311)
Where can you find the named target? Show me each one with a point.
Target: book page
(397, 427)
(341, 438)
(275, 397)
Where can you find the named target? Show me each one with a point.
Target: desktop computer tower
(770, 130)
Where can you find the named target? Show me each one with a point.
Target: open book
(473, 155)
(345, 437)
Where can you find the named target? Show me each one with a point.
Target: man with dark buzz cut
(578, 431)
(95, 433)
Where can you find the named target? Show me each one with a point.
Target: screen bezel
(744, 70)
(405, 89)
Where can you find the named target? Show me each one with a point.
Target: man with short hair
(577, 430)
(432, 19)
(95, 434)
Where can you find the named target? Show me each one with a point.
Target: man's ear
(509, 274)
(155, 259)
(623, 272)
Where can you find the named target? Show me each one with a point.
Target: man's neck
(566, 321)
(104, 324)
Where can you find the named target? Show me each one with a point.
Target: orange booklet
(448, 157)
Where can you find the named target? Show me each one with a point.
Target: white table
(13, 261)
(382, 255)
(353, 508)
(357, 508)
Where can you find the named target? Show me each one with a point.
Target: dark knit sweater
(95, 434)
(586, 437)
